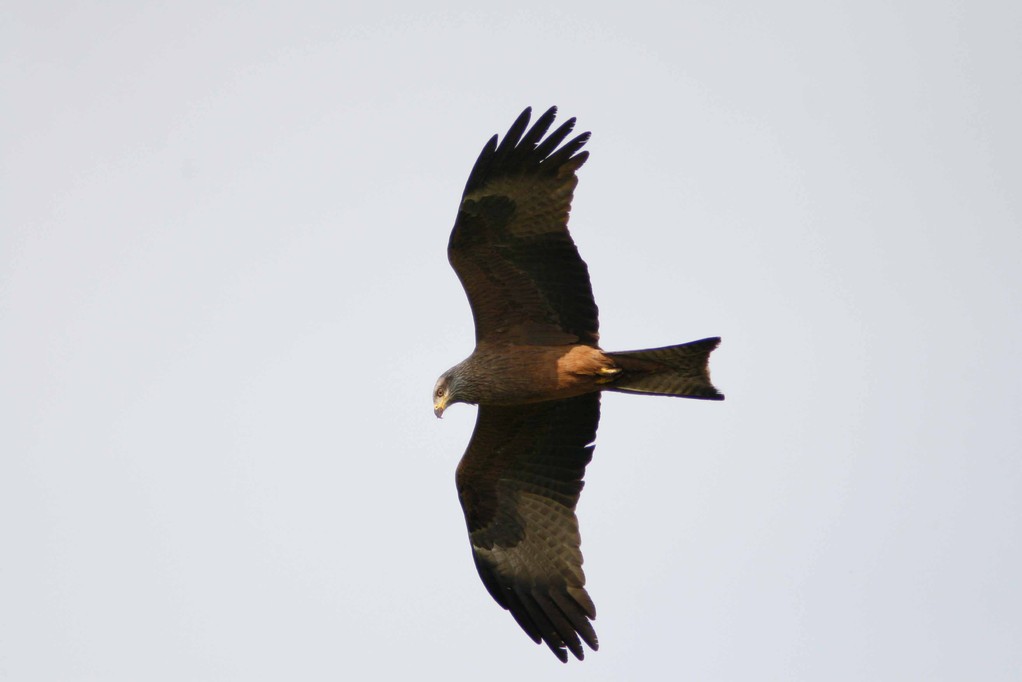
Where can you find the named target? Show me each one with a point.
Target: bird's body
(536, 373)
(564, 372)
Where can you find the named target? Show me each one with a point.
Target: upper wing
(510, 244)
(519, 482)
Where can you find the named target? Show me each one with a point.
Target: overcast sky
(224, 300)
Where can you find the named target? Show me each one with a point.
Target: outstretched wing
(519, 482)
(510, 245)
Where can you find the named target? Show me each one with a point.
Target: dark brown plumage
(536, 374)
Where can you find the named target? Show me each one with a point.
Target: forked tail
(680, 371)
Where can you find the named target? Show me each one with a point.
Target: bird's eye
(439, 392)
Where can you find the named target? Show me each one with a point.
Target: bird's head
(456, 385)
(443, 393)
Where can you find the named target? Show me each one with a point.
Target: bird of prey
(536, 374)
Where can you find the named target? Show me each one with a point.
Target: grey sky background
(224, 299)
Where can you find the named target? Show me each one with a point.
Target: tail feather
(680, 371)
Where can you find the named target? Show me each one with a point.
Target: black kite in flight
(536, 374)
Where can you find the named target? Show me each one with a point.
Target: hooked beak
(439, 407)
